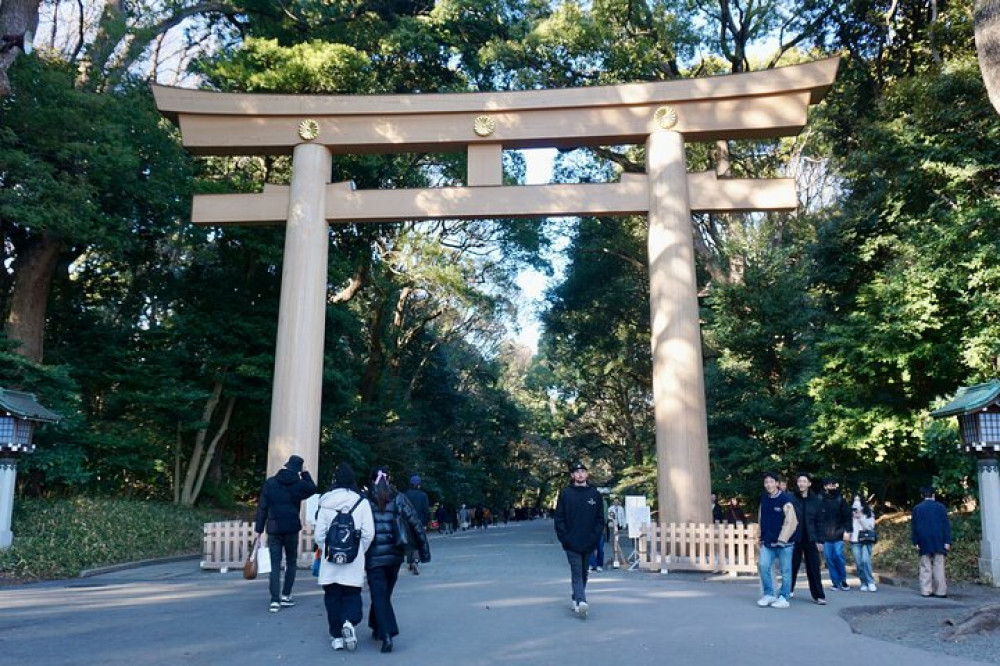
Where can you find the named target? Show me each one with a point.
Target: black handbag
(867, 536)
(402, 540)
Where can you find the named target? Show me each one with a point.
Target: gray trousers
(578, 574)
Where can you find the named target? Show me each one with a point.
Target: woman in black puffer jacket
(383, 559)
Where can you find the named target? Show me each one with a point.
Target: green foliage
(60, 538)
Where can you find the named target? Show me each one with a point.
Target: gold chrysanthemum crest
(665, 117)
(484, 126)
(308, 129)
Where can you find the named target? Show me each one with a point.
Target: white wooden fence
(721, 547)
(226, 545)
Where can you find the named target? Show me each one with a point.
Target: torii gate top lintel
(756, 104)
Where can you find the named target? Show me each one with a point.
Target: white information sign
(636, 515)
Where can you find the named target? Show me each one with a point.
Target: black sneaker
(287, 601)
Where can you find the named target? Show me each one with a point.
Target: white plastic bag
(263, 560)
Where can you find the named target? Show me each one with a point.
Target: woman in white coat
(342, 583)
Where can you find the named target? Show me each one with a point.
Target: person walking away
(779, 530)
(463, 518)
(278, 510)
(835, 524)
(579, 522)
(422, 505)
(342, 583)
(807, 511)
(862, 518)
(931, 535)
(383, 559)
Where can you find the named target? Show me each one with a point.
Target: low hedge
(60, 538)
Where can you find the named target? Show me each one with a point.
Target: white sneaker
(791, 595)
(581, 609)
(863, 588)
(287, 601)
(872, 587)
(780, 602)
(274, 607)
(766, 601)
(337, 643)
(350, 637)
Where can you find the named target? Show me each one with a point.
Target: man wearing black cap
(422, 505)
(278, 510)
(579, 519)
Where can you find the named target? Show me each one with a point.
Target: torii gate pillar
(683, 477)
(298, 362)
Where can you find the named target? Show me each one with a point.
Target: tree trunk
(34, 269)
(987, 25)
(188, 494)
(16, 18)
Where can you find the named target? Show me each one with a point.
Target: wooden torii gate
(661, 115)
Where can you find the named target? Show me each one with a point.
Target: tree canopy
(829, 333)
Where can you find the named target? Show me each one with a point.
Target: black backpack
(343, 539)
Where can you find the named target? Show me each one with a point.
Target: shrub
(61, 538)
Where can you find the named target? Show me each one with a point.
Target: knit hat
(295, 464)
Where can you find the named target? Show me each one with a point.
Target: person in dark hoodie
(835, 526)
(383, 559)
(579, 520)
(807, 509)
(422, 505)
(278, 511)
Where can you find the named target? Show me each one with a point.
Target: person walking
(779, 530)
(579, 523)
(463, 518)
(342, 583)
(835, 526)
(422, 505)
(278, 510)
(931, 536)
(807, 512)
(862, 519)
(384, 558)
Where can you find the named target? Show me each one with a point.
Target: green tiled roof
(970, 399)
(25, 406)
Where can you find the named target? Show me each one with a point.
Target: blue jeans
(768, 555)
(863, 560)
(833, 552)
(597, 557)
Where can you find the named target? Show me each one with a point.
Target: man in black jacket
(422, 505)
(278, 510)
(579, 519)
(835, 524)
(807, 509)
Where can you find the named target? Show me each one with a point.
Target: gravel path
(923, 625)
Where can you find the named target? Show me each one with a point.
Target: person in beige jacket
(342, 583)
(779, 530)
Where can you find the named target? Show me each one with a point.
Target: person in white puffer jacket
(342, 583)
(863, 518)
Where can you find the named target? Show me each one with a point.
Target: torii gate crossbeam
(662, 115)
